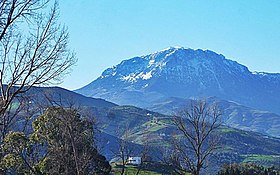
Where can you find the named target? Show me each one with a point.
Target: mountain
(185, 73)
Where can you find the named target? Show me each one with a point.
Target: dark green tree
(62, 143)
(20, 156)
(247, 169)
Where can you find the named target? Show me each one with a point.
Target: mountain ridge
(185, 73)
(234, 115)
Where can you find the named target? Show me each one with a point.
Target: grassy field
(131, 170)
(150, 169)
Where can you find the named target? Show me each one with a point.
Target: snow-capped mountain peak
(183, 72)
(173, 60)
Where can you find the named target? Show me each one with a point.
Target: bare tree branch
(196, 141)
(33, 48)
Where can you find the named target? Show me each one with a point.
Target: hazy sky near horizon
(105, 32)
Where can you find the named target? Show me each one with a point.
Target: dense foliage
(62, 143)
(247, 169)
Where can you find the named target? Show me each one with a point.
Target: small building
(134, 160)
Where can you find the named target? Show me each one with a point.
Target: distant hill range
(234, 114)
(112, 119)
(165, 80)
(64, 97)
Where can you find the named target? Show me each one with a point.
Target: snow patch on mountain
(134, 77)
(151, 63)
(146, 76)
(129, 78)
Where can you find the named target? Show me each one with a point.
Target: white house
(134, 160)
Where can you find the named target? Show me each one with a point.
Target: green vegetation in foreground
(131, 170)
(247, 169)
(150, 169)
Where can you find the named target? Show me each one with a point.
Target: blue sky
(104, 32)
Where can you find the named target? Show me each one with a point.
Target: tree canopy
(62, 143)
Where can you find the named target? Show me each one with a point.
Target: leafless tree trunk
(144, 153)
(197, 140)
(124, 150)
(33, 49)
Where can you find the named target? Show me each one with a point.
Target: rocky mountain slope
(185, 73)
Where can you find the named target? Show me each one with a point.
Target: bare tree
(197, 126)
(33, 48)
(144, 152)
(124, 148)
